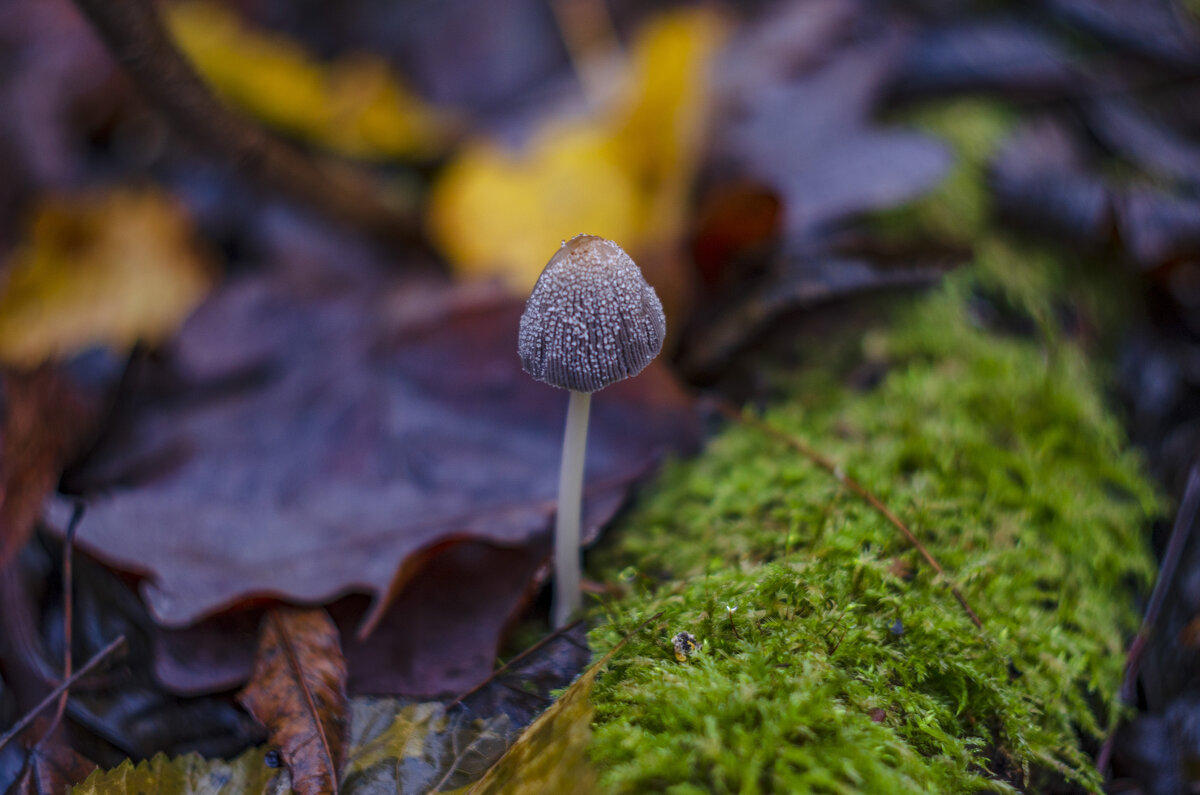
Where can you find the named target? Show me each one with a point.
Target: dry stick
(135, 34)
(796, 444)
(86, 669)
(1180, 531)
(68, 583)
(556, 633)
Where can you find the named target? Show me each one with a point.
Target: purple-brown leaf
(298, 691)
(46, 420)
(50, 769)
(316, 444)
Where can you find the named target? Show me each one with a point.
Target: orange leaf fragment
(298, 692)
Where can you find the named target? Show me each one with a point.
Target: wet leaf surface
(415, 748)
(552, 754)
(445, 634)
(298, 691)
(121, 711)
(346, 425)
(375, 437)
(393, 746)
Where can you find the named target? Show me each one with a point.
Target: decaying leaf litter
(302, 400)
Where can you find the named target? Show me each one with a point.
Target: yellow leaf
(106, 269)
(498, 213)
(623, 174)
(552, 754)
(354, 105)
(185, 775)
(662, 127)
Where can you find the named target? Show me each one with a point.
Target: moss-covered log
(832, 658)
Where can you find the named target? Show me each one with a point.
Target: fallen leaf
(126, 705)
(1009, 57)
(437, 639)
(105, 269)
(394, 747)
(298, 691)
(623, 174)
(795, 281)
(352, 433)
(811, 140)
(420, 748)
(1147, 141)
(492, 211)
(1157, 227)
(1041, 183)
(1153, 29)
(355, 105)
(46, 422)
(51, 770)
(186, 775)
(552, 754)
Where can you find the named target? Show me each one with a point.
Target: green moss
(847, 666)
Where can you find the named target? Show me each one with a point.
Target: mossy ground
(832, 658)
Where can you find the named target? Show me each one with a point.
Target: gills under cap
(591, 319)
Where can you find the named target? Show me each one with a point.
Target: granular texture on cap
(591, 319)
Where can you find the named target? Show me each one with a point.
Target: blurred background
(237, 230)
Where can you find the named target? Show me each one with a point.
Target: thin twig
(799, 446)
(84, 670)
(134, 32)
(1185, 518)
(556, 633)
(68, 587)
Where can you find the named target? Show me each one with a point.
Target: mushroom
(591, 320)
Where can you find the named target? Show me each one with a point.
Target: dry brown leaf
(298, 691)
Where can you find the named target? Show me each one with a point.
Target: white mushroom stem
(567, 551)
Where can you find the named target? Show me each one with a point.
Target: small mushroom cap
(591, 319)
